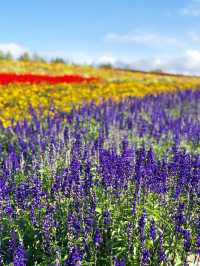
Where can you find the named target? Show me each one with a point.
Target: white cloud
(107, 58)
(193, 9)
(15, 49)
(187, 63)
(141, 38)
(185, 57)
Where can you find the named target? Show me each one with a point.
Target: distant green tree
(38, 58)
(25, 57)
(2, 55)
(106, 65)
(58, 60)
(8, 56)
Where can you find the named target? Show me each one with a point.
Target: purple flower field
(115, 184)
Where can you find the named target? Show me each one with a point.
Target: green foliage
(37, 58)
(58, 60)
(92, 127)
(25, 57)
(2, 55)
(5, 56)
(106, 66)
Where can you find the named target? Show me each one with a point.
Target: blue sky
(144, 34)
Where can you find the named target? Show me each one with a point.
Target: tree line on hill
(26, 57)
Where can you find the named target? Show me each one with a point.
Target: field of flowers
(106, 83)
(105, 171)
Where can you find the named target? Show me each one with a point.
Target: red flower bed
(6, 78)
